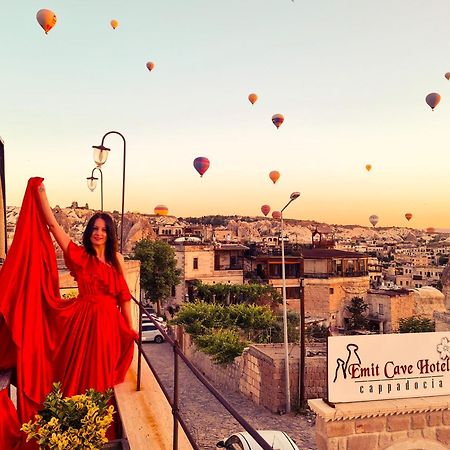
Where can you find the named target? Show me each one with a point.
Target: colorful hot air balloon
(447, 75)
(368, 167)
(150, 66)
(277, 120)
(433, 100)
(161, 210)
(252, 98)
(201, 165)
(46, 19)
(274, 176)
(265, 209)
(114, 23)
(276, 215)
(373, 219)
(408, 216)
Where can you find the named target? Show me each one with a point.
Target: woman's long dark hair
(111, 239)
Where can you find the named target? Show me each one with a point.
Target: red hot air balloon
(447, 75)
(433, 100)
(252, 98)
(201, 165)
(46, 19)
(161, 210)
(408, 216)
(276, 215)
(274, 176)
(150, 66)
(277, 120)
(265, 209)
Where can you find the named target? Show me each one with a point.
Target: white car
(278, 440)
(150, 333)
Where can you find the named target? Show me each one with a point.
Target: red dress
(97, 348)
(83, 342)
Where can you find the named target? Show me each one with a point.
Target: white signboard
(388, 366)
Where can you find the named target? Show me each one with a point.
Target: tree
(357, 310)
(415, 325)
(159, 272)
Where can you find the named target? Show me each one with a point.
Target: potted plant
(77, 423)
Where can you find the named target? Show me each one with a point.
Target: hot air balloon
(201, 165)
(408, 216)
(276, 215)
(265, 209)
(277, 120)
(368, 167)
(274, 176)
(447, 75)
(114, 23)
(150, 66)
(373, 219)
(252, 98)
(46, 19)
(430, 230)
(433, 100)
(161, 210)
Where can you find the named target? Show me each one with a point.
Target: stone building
(388, 306)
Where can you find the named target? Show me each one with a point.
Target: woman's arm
(62, 238)
(125, 307)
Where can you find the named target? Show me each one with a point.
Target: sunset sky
(350, 77)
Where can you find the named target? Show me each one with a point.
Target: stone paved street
(208, 420)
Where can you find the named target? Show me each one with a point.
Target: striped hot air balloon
(161, 210)
(201, 165)
(277, 120)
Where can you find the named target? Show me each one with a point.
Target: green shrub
(415, 325)
(223, 345)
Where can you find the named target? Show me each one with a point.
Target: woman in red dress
(83, 343)
(96, 350)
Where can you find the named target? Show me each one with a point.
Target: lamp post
(92, 183)
(294, 196)
(100, 157)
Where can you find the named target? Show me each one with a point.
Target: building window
(293, 292)
(195, 265)
(331, 291)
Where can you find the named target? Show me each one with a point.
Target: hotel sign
(388, 366)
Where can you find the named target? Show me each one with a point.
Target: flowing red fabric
(83, 343)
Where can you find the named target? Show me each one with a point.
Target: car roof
(279, 440)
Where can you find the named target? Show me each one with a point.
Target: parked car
(150, 332)
(278, 440)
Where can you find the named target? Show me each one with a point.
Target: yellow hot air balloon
(114, 23)
(161, 210)
(46, 19)
(252, 98)
(368, 167)
(274, 176)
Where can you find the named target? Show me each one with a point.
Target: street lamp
(100, 156)
(92, 183)
(294, 196)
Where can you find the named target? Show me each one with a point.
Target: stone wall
(259, 373)
(419, 424)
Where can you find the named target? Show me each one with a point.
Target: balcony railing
(174, 401)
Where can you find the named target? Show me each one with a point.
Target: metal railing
(174, 403)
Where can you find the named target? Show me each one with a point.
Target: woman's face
(99, 235)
